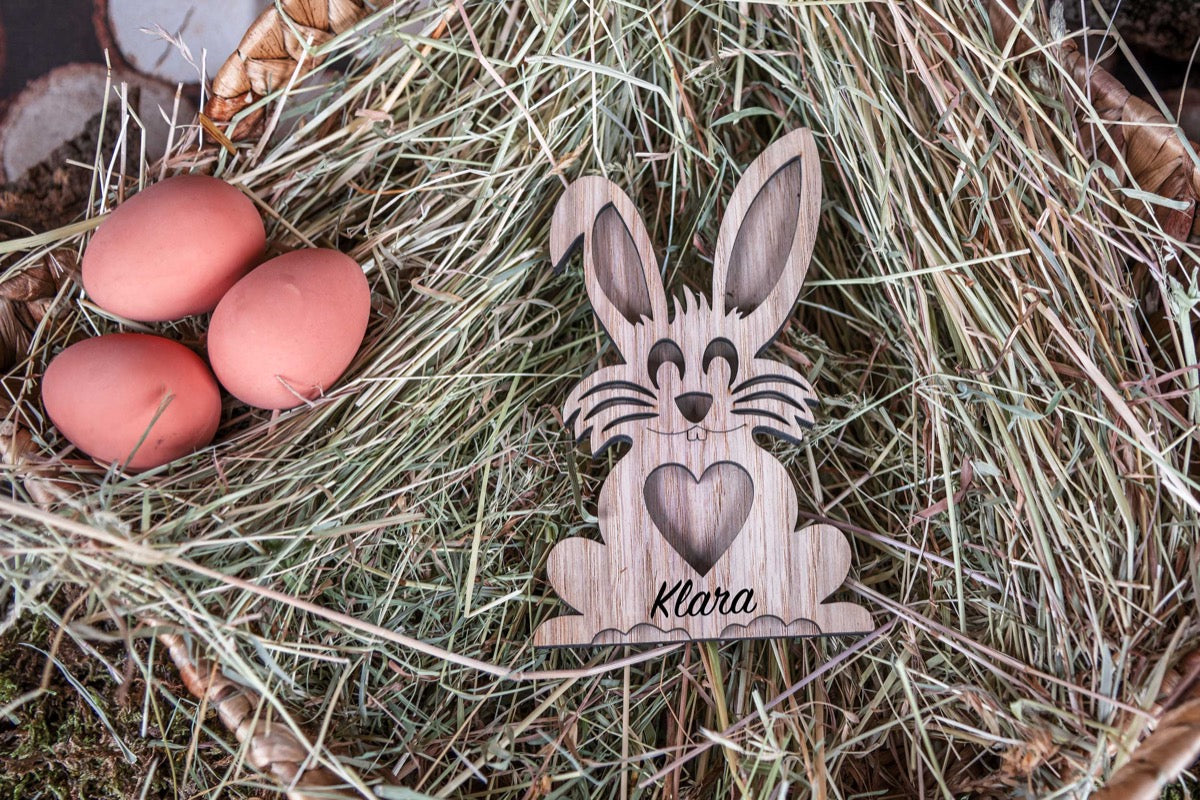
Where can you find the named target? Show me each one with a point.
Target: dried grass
(1008, 432)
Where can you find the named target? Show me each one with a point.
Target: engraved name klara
(701, 604)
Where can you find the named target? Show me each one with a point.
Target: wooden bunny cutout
(697, 520)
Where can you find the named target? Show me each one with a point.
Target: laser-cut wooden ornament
(697, 519)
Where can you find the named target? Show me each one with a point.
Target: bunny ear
(619, 267)
(767, 235)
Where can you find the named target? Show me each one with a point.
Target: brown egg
(103, 395)
(290, 328)
(173, 249)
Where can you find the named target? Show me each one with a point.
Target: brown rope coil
(271, 747)
(1173, 745)
(19, 455)
(272, 51)
(24, 300)
(1159, 759)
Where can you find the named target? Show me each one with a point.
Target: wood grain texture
(697, 520)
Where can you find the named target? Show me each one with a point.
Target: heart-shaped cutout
(699, 517)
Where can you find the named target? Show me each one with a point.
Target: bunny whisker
(616, 402)
(762, 412)
(613, 385)
(773, 378)
(627, 418)
(770, 394)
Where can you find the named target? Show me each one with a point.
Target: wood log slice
(56, 108)
(209, 30)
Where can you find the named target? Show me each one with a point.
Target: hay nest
(999, 322)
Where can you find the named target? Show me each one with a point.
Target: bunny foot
(826, 546)
(572, 567)
(569, 629)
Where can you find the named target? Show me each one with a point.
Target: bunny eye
(721, 348)
(664, 351)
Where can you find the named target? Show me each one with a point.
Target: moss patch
(57, 746)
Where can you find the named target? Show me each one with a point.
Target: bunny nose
(694, 405)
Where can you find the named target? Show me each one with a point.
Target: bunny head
(695, 371)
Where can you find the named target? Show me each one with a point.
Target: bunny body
(697, 519)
